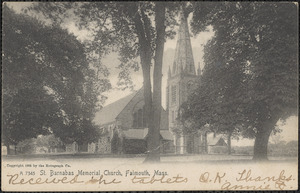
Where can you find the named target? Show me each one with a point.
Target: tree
(255, 45)
(48, 85)
(26, 146)
(135, 30)
(48, 141)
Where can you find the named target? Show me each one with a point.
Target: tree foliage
(48, 84)
(250, 77)
(134, 30)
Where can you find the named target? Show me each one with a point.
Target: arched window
(139, 118)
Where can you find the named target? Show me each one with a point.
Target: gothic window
(173, 94)
(139, 120)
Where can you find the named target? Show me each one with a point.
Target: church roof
(184, 60)
(110, 112)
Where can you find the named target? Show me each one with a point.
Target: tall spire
(169, 72)
(184, 60)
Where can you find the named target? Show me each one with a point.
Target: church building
(181, 80)
(123, 126)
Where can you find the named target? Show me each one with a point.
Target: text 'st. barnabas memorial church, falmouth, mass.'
(124, 129)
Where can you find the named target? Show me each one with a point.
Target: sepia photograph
(149, 95)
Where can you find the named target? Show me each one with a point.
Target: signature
(262, 183)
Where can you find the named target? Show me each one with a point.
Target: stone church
(123, 127)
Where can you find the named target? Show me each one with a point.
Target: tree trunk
(154, 133)
(144, 37)
(229, 142)
(262, 139)
(8, 149)
(261, 145)
(149, 114)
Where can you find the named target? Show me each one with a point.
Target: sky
(289, 129)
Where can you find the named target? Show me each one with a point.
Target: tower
(181, 76)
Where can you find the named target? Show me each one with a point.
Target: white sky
(290, 129)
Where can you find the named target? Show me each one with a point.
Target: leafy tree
(135, 30)
(48, 85)
(250, 78)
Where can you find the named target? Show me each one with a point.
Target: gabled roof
(216, 141)
(109, 113)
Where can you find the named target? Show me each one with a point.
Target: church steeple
(182, 76)
(184, 60)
